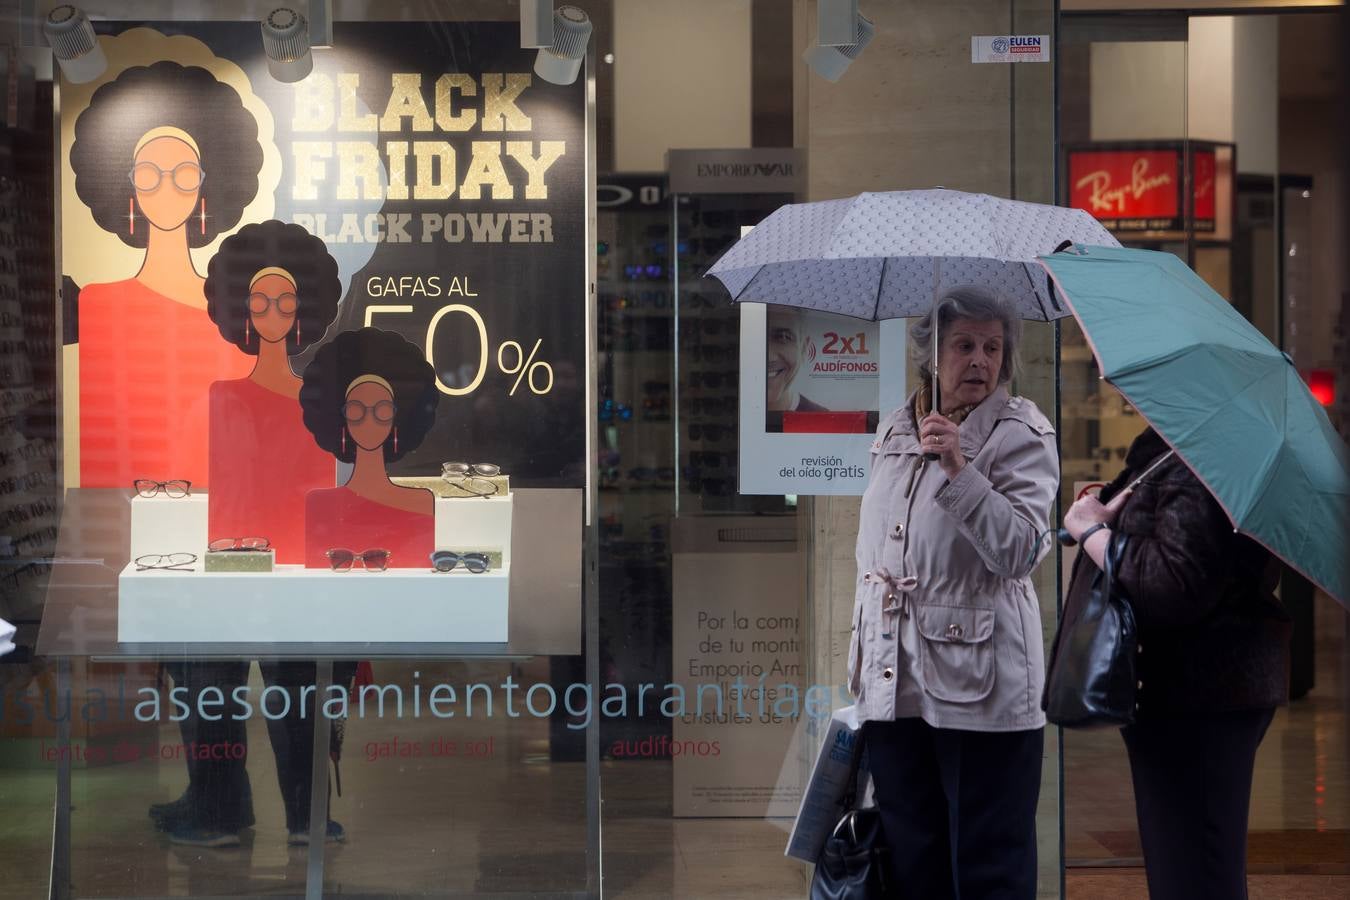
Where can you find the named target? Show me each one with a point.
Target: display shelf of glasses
(168, 597)
(292, 604)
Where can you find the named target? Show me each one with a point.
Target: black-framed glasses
(713, 487)
(712, 379)
(446, 560)
(708, 459)
(186, 176)
(711, 353)
(701, 432)
(224, 545)
(166, 562)
(355, 411)
(373, 560)
(650, 473)
(176, 488)
(712, 406)
(259, 303)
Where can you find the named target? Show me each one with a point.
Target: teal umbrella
(1229, 402)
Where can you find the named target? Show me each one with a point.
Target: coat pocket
(958, 656)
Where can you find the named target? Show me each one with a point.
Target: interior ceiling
(1310, 52)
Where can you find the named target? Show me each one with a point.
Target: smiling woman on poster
(166, 157)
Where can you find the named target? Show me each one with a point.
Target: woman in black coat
(1213, 664)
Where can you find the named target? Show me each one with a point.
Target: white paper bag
(823, 800)
(6, 632)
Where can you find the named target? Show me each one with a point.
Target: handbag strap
(851, 791)
(1115, 551)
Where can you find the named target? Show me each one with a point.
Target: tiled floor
(514, 822)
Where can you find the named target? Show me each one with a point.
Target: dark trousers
(959, 809)
(292, 735)
(1192, 790)
(218, 788)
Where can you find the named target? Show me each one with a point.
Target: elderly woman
(946, 660)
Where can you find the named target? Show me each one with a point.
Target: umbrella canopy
(889, 255)
(1227, 400)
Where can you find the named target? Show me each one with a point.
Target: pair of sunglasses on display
(175, 488)
(342, 560)
(166, 562)
(226, 545)
(472, 478)
(446, 560)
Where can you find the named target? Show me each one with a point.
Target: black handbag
(1092, 682)
(852, 864)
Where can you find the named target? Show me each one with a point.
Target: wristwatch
(1089, 532)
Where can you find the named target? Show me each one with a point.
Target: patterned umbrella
(890, 255)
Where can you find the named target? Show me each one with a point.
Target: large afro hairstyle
(272, 243)
(369, 351)
(146, 97)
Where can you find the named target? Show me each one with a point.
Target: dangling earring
(344, 440)
(203, 215)
(395, 440)
(297, 334)
(248, 333)
(131, 215)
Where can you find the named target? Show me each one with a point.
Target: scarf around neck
(923, 402)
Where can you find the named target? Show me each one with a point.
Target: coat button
(1139, 685)
(867, 577)
(898, 530)
(888, 673)
(955, 631)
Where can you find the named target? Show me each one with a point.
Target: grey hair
(968, 301)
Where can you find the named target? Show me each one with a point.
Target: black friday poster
(446, 180)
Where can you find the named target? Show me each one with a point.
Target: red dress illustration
(341, 518)
(263, 464)
(146, 366)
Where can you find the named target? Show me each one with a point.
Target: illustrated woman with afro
(166, 157)
(369, 398)
(272, 291)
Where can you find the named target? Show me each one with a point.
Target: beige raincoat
(946, 624)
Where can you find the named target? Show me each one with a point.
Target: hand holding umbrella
(940, 438)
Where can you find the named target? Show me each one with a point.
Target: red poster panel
(825, 423)
(1128, 190)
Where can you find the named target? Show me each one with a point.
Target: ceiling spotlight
(829, 62)
(561, 62)
(74, 44)
(285, 38)
(536, 24)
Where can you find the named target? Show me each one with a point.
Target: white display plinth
(293, 604)
(474, 523)
(161, 524)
